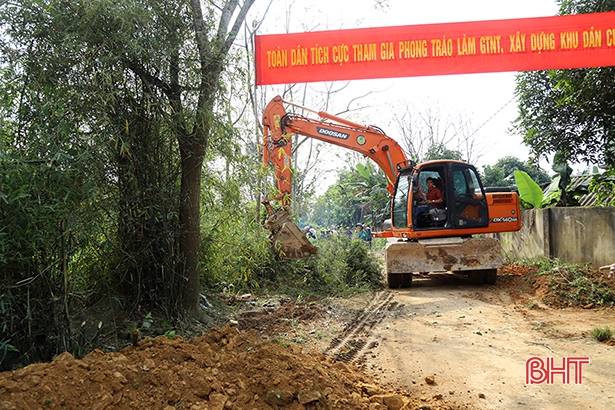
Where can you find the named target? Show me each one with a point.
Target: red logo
(538, 371)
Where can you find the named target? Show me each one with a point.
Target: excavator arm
(367, 140)
(278, 127)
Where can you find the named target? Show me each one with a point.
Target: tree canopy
(115, 132)
(358, 195)
(501, 174)
(570, 112)
(440, 151)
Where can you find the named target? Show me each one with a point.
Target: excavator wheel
(399, 280)
(476, 277)
(490, 276)
(482, 276)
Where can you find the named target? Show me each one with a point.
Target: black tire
(399, 280)
(476, 277)
(406, 280)
(393, 280)
(490, 276)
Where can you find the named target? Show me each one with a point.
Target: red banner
(571, 41)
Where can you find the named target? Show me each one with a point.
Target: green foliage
(363, 269)
(344, 266)
(555, 195)
(440, 151)
(341, 267)
(236, 256)
(358, 195)
(585, 6)
(603, 186)
(529, 191)
(560, 195)
(570, 111)
(48, 213)
(147, 321)
(95, 99)
(501, 174)
(559, 192)
(602, 334)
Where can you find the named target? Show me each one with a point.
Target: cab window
(400, 202)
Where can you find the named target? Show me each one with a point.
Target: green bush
(344, 266)
(602, 334)
(239, 259)
(236, 257)
(573, 284)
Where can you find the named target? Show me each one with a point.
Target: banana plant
(530, 192)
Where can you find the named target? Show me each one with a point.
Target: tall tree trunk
(212, 53)
(192, 153)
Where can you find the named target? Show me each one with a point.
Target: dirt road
(443, 344)
(473, 343)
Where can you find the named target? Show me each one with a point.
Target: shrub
(602, 334)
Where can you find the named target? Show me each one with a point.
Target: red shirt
(434, 194)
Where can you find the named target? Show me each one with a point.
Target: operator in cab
(432, 199)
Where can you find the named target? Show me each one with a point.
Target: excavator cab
(464, 203)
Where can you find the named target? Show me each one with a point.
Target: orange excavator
(447, 235)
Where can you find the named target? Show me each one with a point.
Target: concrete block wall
(576, 235)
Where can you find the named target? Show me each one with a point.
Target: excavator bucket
(287, 239)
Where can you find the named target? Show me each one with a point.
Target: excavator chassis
(479, 258)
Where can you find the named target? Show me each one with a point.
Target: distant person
(432, 199)
(349, 232)
(362, 233)
(309, 232)
(367, 229)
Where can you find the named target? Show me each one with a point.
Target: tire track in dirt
(347, 346)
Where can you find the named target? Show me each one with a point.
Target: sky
(486, 99)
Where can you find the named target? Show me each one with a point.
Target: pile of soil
(222, 369)
(560, 287)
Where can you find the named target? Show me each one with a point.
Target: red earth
(284, 354)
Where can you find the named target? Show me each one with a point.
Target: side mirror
(387, 225)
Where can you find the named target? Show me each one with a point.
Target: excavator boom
(367, 140)
(278, 126)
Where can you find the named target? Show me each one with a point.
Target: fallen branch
(611, 267)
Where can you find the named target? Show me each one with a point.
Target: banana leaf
(529, 191)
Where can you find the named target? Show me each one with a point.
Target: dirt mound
(232, 369)
(514, 280)
(223, 369)
(558, 287)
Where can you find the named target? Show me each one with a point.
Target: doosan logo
(332, 133)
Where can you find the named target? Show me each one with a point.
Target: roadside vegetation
(571, 285)
(602, 334)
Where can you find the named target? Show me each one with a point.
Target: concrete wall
(576, 235)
